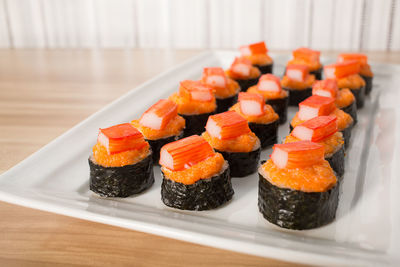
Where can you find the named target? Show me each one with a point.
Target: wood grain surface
(43, 93)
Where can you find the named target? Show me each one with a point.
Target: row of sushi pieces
(224, 132)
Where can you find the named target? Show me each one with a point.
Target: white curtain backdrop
(283, 24)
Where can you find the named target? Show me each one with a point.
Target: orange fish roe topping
(331, 144)
(343, 119)
(291, 84)
(344, 98)
(268, 94)
(231, 89)
(188, 106)
(312, 66)
(203, 170)
(269, 115)
(243, 143)
(101, 157)
(316, 178)
(352, 82)
(174, 127)
(259, 59)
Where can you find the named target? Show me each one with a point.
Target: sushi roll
(297, 188)
(229, 134)
(257, 53)
(196, 102)
(322, 130)
(262, 119)
(310, 58)
(346, 75)
(269, 86)
(121, 164)
(365, 69)
(315, 106)
(244, 73)
(344, 98)
(194, 176)
(298, 82)
(226, 90)
(160, 125)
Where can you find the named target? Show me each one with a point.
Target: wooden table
(44, 93)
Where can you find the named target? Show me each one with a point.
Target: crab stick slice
(196, 90)
(241, 67)
(269, 83)
(214, 77)
(159, 115)
(315, 106)
(342, 69)
(251, 104)
(184, 153)
(253, 49)
(297, 72)
(327, 88)
(316, 129)
(227, 125)
(306, 54)
(361, 58)
(297, 154)
(120, 138)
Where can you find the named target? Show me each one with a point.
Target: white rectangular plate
(367, 227)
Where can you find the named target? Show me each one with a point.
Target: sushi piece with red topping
(229, 134)
(257, 53)
(322, 130)
(346, 75)
(226, 90)
(195, 177)
(315, 106)
(160, 125)
(365, 69)
(310, 58)
(196, 101)
(262, 119)
(121, 164)
(269, 86)
(298, 82)
(297, 187)
(243, 72)
(344, 98)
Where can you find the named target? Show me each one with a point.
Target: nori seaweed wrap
(195, 177)
(242, 163)
(352, 111)
(122, 181)
(368, 83)
(265, 69)
(121, 164)
(195, 123)
(297, 96)
(280, 106)
(289, 200)
(359, 94)
(336, 160)
(295, 209)
(347, 135)
(267, 133)
(205, 194)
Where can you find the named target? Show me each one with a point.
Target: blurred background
(370, 25)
